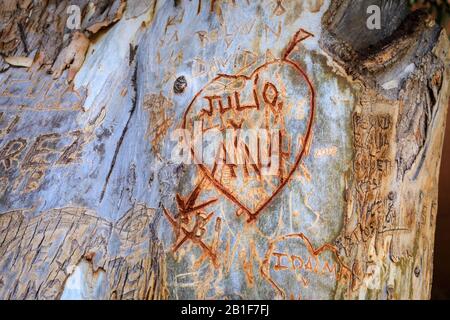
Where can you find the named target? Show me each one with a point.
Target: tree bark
(94, 204)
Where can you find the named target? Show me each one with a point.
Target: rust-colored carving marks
(291, 259)
(278, 8)
(263, 100)
(160, 113)
(372, 165)
(39, 253)
(371, 141)
(241, 60)
(190, 223)
(31, 158)
(32, 163)
(24, 161)
(389, 219)
(374, 214)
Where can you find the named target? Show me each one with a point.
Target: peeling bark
(31, 27)
(40, 253)
(94, 206)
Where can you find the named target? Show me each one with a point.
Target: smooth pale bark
(94, 205)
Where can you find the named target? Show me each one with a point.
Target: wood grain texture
(398, 132)
(94, 204)
(39, 253)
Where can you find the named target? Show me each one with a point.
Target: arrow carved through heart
(259, 81)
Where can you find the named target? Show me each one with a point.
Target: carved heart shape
(291, 263)
(277, 97)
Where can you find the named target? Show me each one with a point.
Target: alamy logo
(374, 20)
(74, 19)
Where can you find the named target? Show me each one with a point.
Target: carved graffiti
(292, 259)
(191, 222)
(278, 8)
(374, 211)
(38, 92)
(160, 118)
(261, 100)
(60, 238)
(32, 157)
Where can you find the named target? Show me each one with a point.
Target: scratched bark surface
(94, 206)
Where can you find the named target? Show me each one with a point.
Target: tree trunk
(96, 204)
